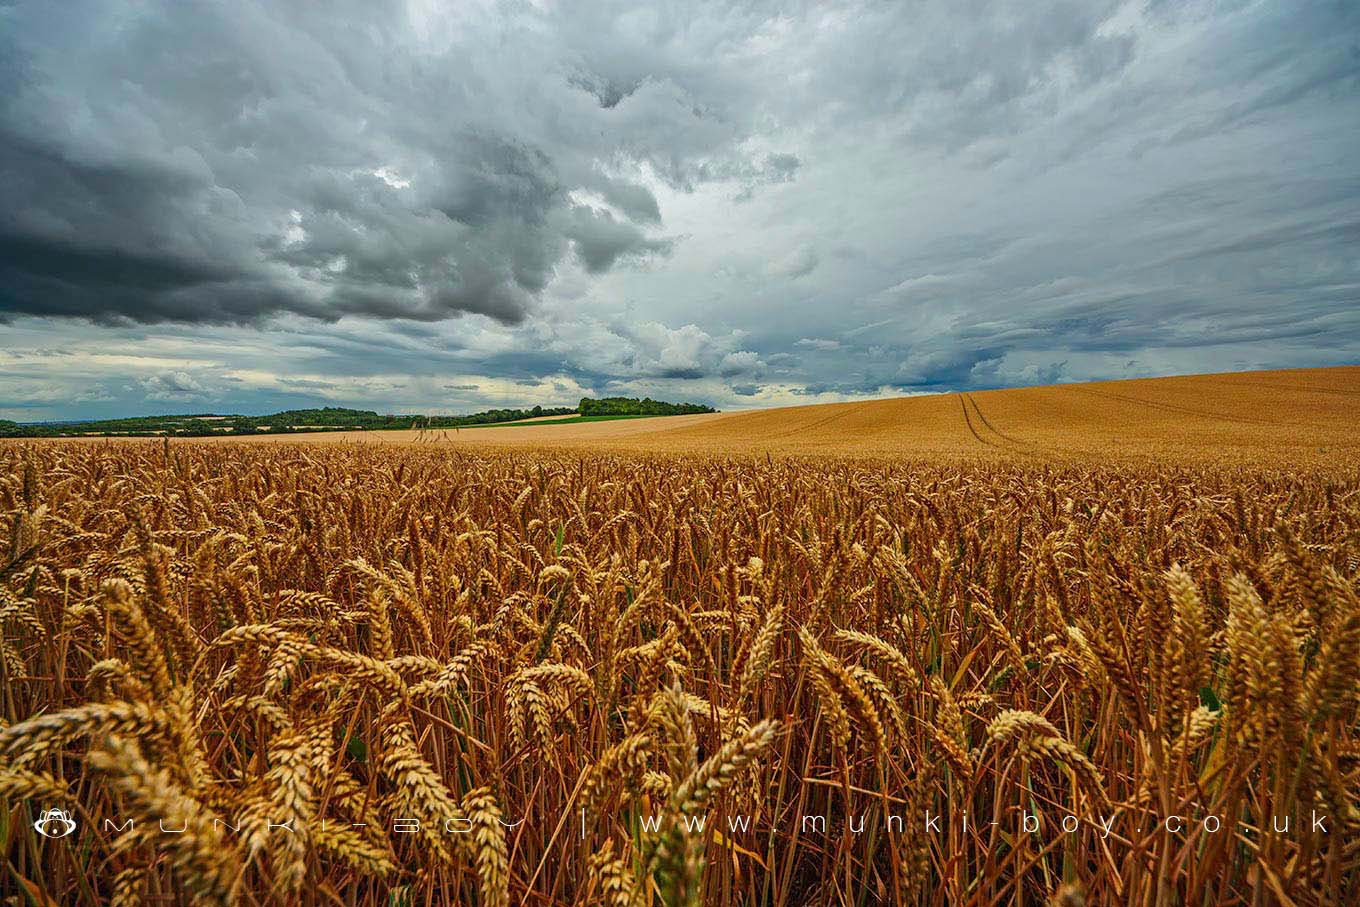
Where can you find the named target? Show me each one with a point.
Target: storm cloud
(218, 162)
(411, 204)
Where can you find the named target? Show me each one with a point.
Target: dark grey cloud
(218, 162)
(600, 240)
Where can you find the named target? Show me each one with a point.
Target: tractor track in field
(817, 423)
(1281, 386)
(968, 420)
(977, 411)
(1175, 408)
(1005, 442)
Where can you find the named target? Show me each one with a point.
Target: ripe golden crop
(415, 675)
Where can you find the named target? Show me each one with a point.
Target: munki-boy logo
(55, 823)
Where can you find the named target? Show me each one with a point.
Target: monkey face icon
(55, 823)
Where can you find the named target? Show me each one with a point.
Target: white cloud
(172, 386)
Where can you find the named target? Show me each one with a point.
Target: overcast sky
(445, 206)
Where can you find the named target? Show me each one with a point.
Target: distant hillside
(1267, 417)
(330, 418)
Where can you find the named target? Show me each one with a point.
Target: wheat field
(1113, 667)
(1293, 416)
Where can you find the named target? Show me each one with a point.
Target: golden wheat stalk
(1037, 734)
(26, 742)
(203, 857)
(719, 770)
(487, 846)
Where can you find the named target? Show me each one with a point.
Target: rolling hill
(1309, 415)
(1296, 416)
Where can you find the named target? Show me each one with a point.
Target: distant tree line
(632, 406)
(332, 418)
